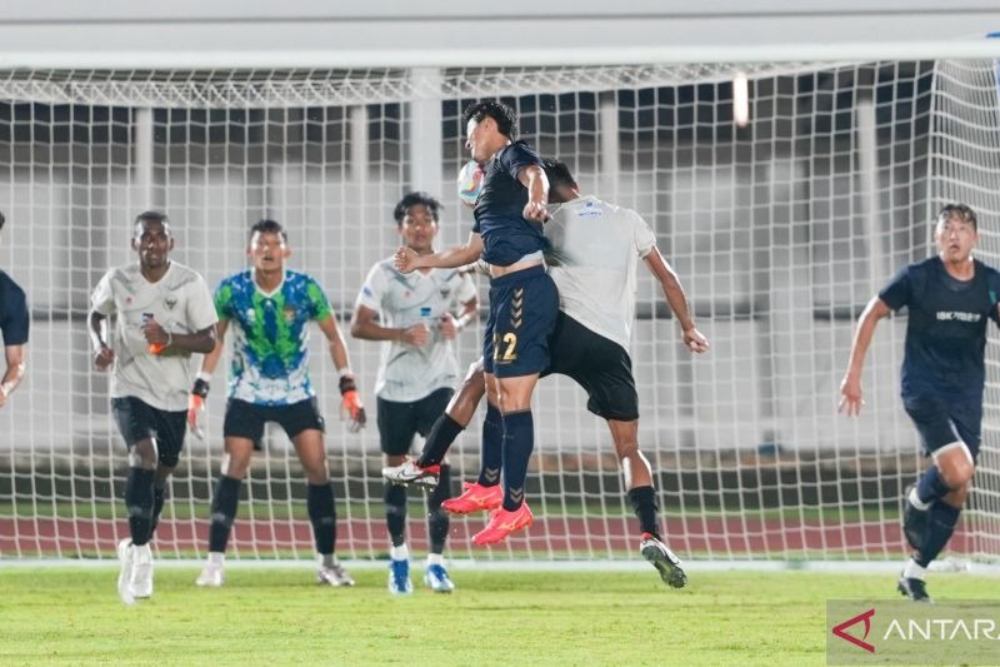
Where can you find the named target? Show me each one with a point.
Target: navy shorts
(943, 422)
(137, 420)
(523, 310)
(247, 420)
(398, 422)
(599, 365)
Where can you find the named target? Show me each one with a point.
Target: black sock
(159, 496)
(439, 440)
(395, 513)
(492, 452)
(139, 501)
(931, 486)
(643, 500)
(224, 504)
(518, 442)
(438, 520)
(943, 519)
(323, 515)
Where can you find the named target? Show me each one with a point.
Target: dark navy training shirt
(946, 331)
(507, 236)
(13, 312)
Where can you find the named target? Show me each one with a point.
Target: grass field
(276, 617)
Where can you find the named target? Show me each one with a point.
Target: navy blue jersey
(13, 312)
(507, 236)
(946, 331)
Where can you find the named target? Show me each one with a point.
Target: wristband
(347, 384)
(200, 387)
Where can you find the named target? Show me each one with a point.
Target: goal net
(780, 231)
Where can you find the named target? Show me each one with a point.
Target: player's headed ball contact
(470, 182)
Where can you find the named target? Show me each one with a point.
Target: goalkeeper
(269, 381)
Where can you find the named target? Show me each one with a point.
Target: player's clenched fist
(103, 357)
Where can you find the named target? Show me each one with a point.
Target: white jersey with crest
(181, 303)
(596, 247)
(409, 373)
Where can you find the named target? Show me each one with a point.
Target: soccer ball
(470, 182)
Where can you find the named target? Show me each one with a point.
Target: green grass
(275, 617)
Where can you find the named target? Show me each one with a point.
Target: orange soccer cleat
(503, 523)
(475, 498)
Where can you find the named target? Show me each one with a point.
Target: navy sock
(438, 520)
(931, 486)
(643, 500)
(492, 453)
(224, 504)
(395, 513)
(943, 519)
(323, 516)
(139, 501)
(159, 496)
(518, 441)
(439, 440)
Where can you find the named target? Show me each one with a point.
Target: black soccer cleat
(664, 560)
(915, 589)
(914, 522)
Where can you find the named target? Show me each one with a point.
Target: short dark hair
(558, 173)
(505, 117)
(960, 212)
(416, 199)
(151, 216)
(268, 227)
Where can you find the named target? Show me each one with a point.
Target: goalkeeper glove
(350, 404)
(196, 405)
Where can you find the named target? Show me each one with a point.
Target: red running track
(720, 538)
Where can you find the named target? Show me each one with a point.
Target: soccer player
(271, 308)
(950, 297)
(524, 303)
(14, 323)
(418, 315)
(597, 286)
(163, 313)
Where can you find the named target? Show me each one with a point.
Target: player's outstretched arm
(14, 355)
(673, 291)
(351, 403)
(534, 179)
(406, 260)
(850, 386)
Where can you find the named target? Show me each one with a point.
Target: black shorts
(599, 365)
(137, 420)
(399, 422)
(942, 422)
(246, 420)
(523, 309)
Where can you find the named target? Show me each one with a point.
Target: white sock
(914, 499)
(435, 559)
(913, 571)
(216, 558)
(399, 553)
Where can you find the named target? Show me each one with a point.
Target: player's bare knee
(626, 450)
(236, 464)
(956, 498)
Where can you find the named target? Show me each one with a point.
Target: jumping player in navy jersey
(949, 297)
(524, 304)
(14, 322)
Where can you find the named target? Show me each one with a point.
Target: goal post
(780, 231)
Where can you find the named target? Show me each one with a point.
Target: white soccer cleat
(142, 572)
(408, 472)
(399, 576)
(437, 579)
(664, 560)
(125, 557)
(212, 576)
(333, 575)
